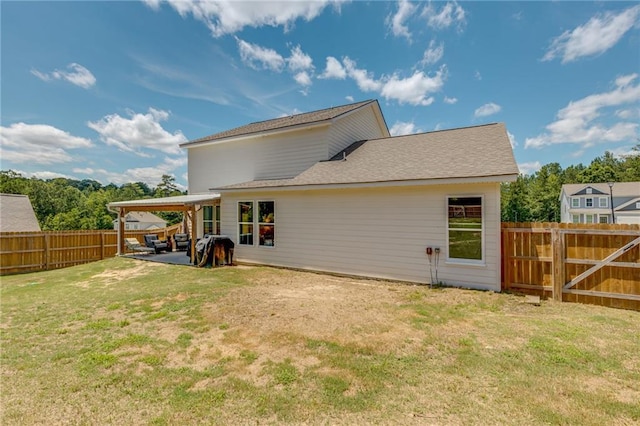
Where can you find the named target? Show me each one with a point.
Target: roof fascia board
(256, 135)
(420, 182)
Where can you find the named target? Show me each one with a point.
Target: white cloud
(487, 109)
(433, 53)
(397, 21)
(414, 90)
(152, 176)
(530, 167)
(44, 175)
(450, 14)
(137, 132)
(349, 98)
(258, 57)
(362, 77)
(334, 69)
(38, 143)
(450, 101)
(629, 114)
(77, 74)
(403, 128)
(229, 17)
(512, 139)
(303, 78)
(299, 61)
(577, 122)
(477, 75)
(597, 36)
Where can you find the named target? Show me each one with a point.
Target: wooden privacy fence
(22, 252)
(597, 264)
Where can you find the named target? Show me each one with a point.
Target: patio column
(194, 232)
(122, 214)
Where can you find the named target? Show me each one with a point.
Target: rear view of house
(332, 191)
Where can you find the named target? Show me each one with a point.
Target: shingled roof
(16, 214)
(470, 152)
(281, 123)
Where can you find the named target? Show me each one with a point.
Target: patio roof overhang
(183, 203)
(177, 203)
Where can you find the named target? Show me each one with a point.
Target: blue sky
(108, 90)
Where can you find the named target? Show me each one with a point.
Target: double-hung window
(588, 202)
(207, 220)
(263, 221)
(603, 202)
(245, 223)
(575, 202)
(465, 229)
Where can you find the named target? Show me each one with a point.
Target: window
(266, 223)
(207, 220)
(245, 223)
(589, 190)
(603, 202)
(575, 218)
(217, 219)
(575, 202)
(589, 218)
(465, 228)
(589, 202)
(604, 219)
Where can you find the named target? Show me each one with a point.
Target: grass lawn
(130, 342)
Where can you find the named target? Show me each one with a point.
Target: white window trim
(466, 262)
(238, 223)
(586, 202)
(256, 223)
(272, 223)
(575, 202)
(606, 202)
(575, 218)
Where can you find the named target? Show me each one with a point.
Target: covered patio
(188, 204)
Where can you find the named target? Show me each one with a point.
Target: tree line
(535, 197)
(67, 204)
(63, 204)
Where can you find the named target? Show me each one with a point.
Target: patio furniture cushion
(152, 240)
(134, 245)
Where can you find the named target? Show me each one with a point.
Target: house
(600, 203)
(16, 214)
(141, 221)
(332, 191)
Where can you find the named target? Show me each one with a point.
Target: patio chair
(181, 241)
(134, 245)
(152, 240)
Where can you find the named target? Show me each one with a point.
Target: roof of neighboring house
(282, 123)
(16, 214)
(144, 217)
(470, 152)
(620, 189)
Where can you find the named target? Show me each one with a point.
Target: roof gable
(282, 123)
(619, 189)
(472, 152)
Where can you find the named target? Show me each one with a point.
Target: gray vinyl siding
(357, 126)
(271, 157)
(373, 232)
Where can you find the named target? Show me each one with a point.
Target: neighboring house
(141, 221)
(332, 191)
(591, 203)
(16, 214)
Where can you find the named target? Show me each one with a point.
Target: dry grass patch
(122, 341)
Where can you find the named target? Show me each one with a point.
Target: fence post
(557, 255)
(46, 251)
